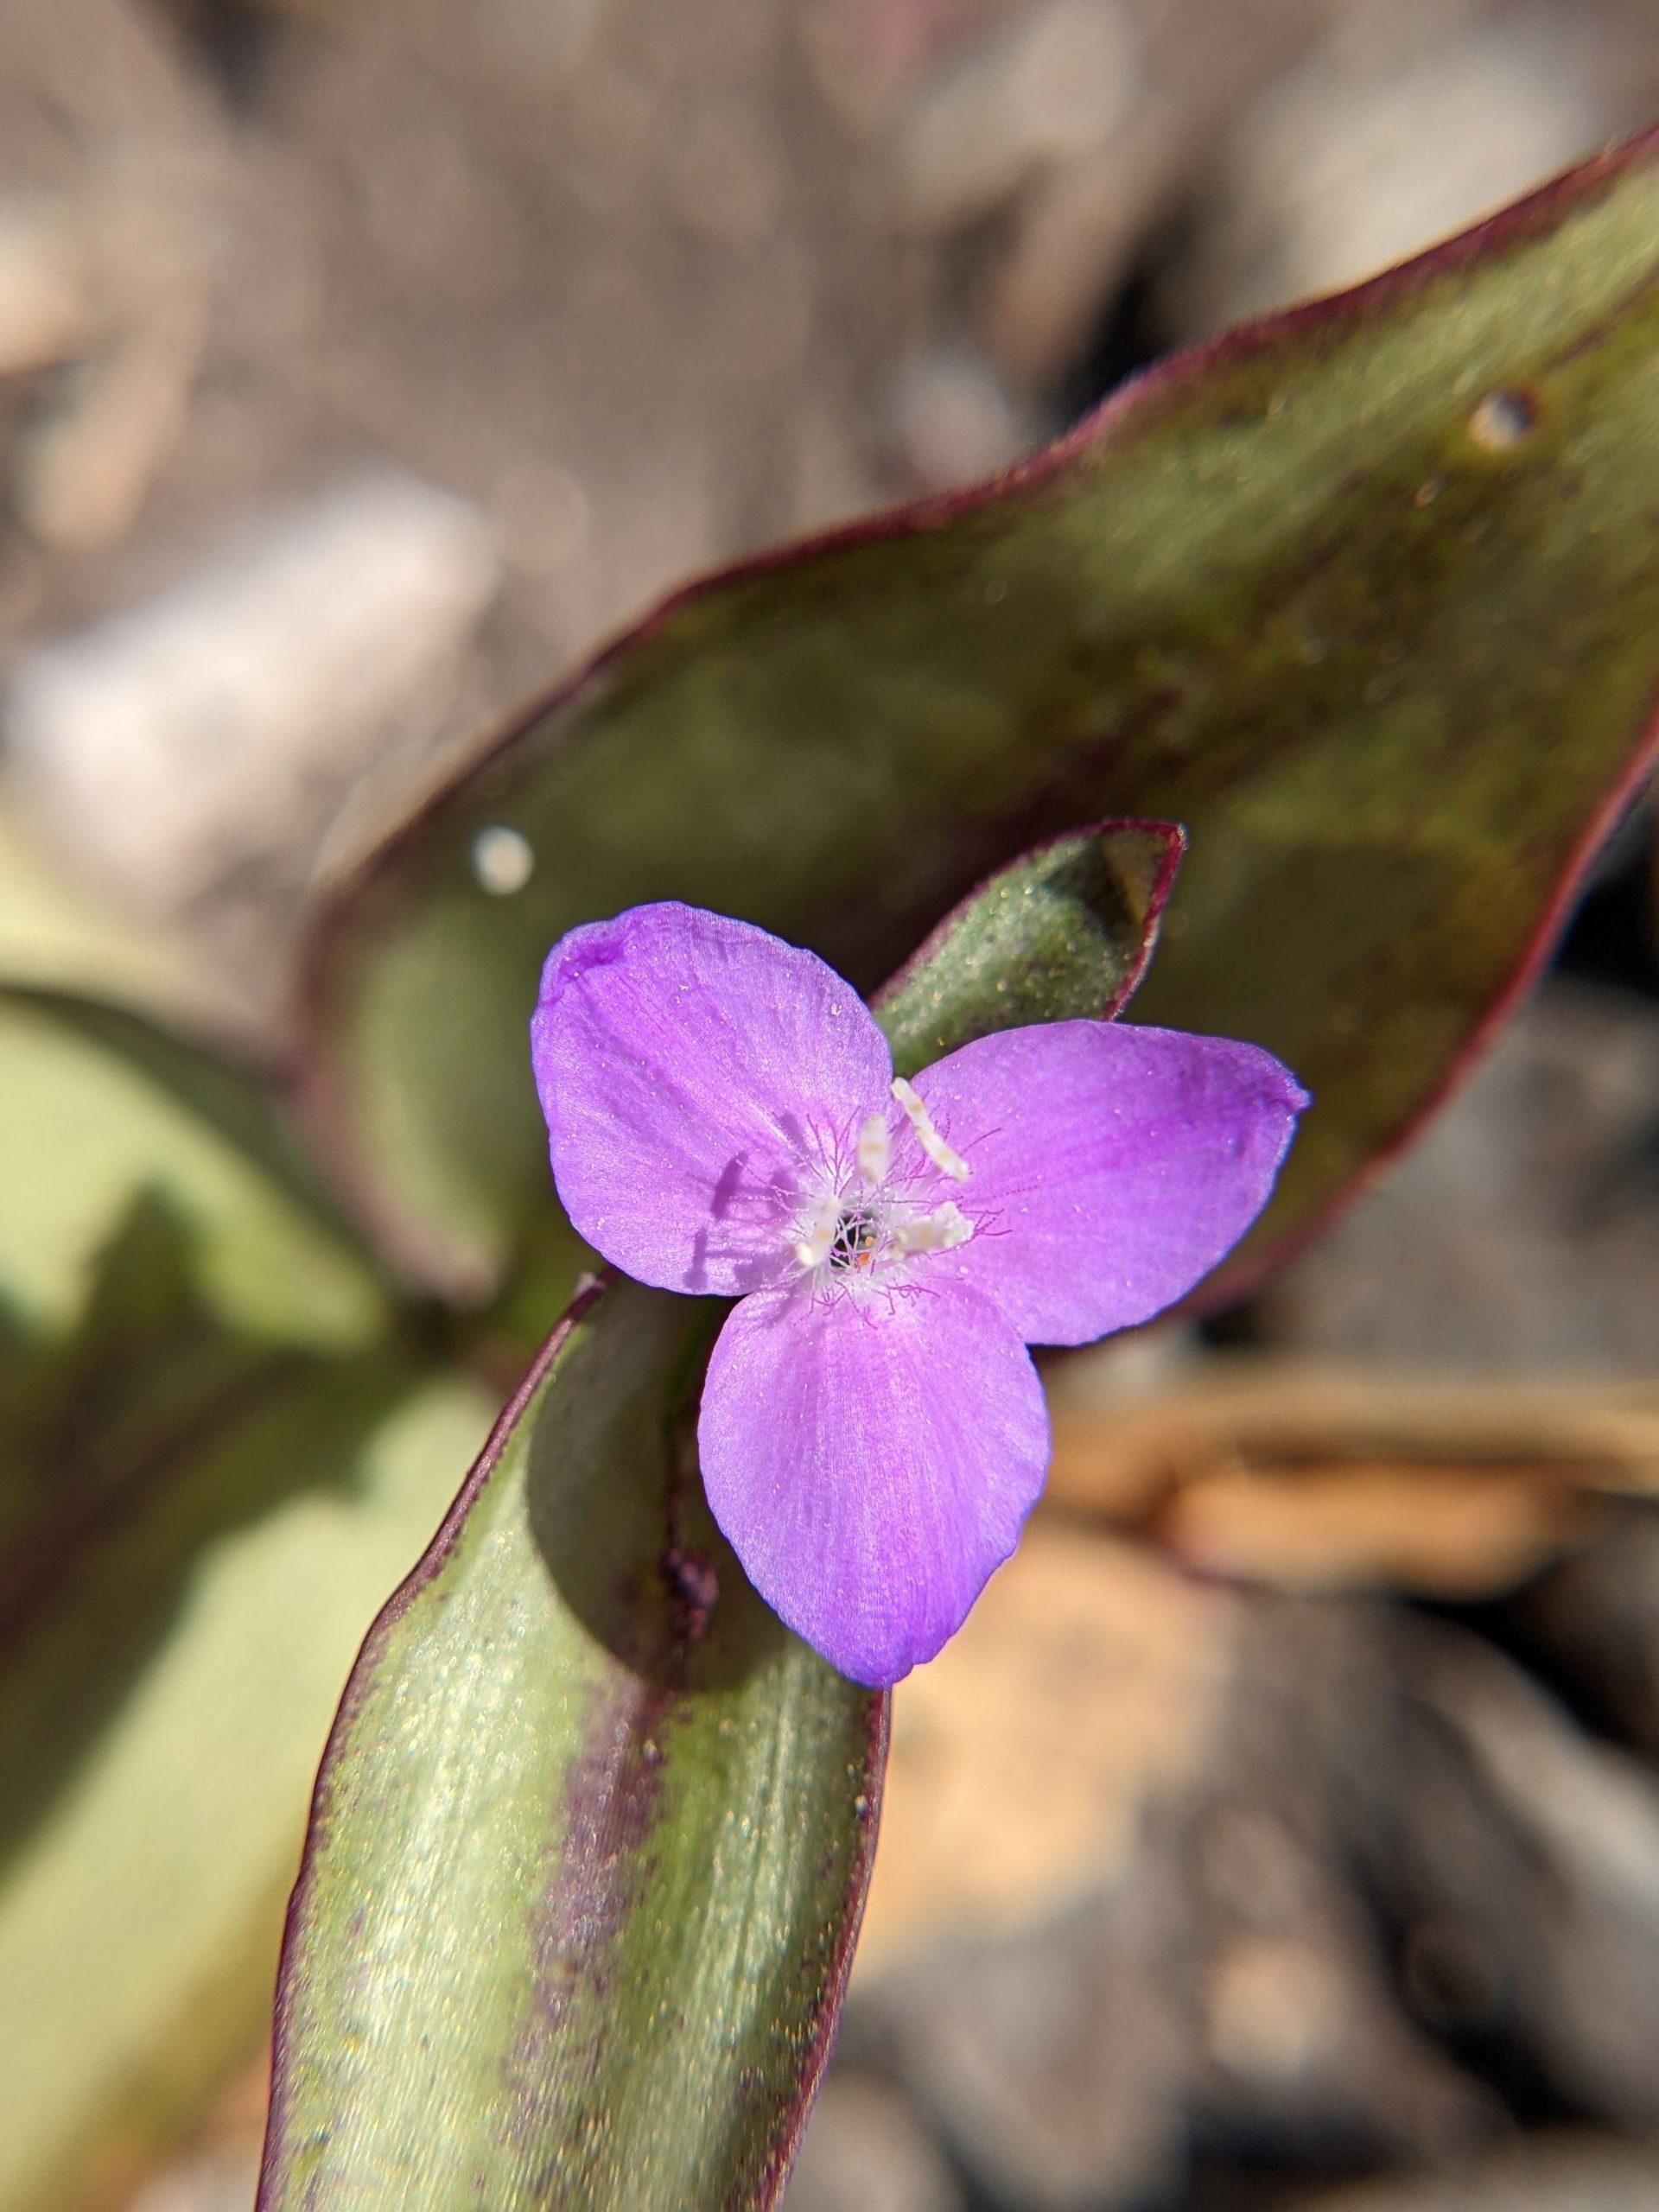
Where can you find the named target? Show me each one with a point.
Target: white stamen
(813, 1249)
(874, 1150)
(947, 1162)
(942, 1230)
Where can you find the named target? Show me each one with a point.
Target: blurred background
(1284, 1831)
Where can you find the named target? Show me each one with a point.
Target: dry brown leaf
(1120, 1447)
(1455, 1531)
(1312, 1477)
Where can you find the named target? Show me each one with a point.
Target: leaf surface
(1364, 595)
(214, 1454)
(98, 1106)
(159, 1729)
(1063, 933)
(575, 1910)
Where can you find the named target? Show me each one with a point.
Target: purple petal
(1111, 1166)
(696, 1074)
(872, 1459)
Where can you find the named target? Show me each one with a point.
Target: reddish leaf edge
(821, 2050)
(1172, 836)
(311, 1080)
(1136, 404)
(425, 1570)
(1234, 1281)
(1174, 840)
(358, 1684)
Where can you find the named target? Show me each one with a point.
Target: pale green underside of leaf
(211, 1466)
(95, 1107)
(1293, 594)
(139, 1916)
(56, 932)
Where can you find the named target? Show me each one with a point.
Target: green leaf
(1364, 595)
(590, 1836)
(590, 1842)
(1063, 933)
(56, 931)
(161, 1714)
(214, 1454)
(97, 1107)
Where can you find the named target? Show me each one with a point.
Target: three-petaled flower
(723, 1118)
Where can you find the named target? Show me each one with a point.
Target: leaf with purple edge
(590, 1837)
(1064, 932)
(1382, 640)
(590, 1841)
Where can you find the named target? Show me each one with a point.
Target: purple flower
(723, 1118)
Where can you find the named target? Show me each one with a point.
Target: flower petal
(872, 1459)
(1111, 1166)
(696, 1073)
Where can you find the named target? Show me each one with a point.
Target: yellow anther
(947, 1162)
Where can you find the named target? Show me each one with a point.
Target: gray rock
(866, 2150)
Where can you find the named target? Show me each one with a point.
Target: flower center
(857, 1237)
(856, 1233)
